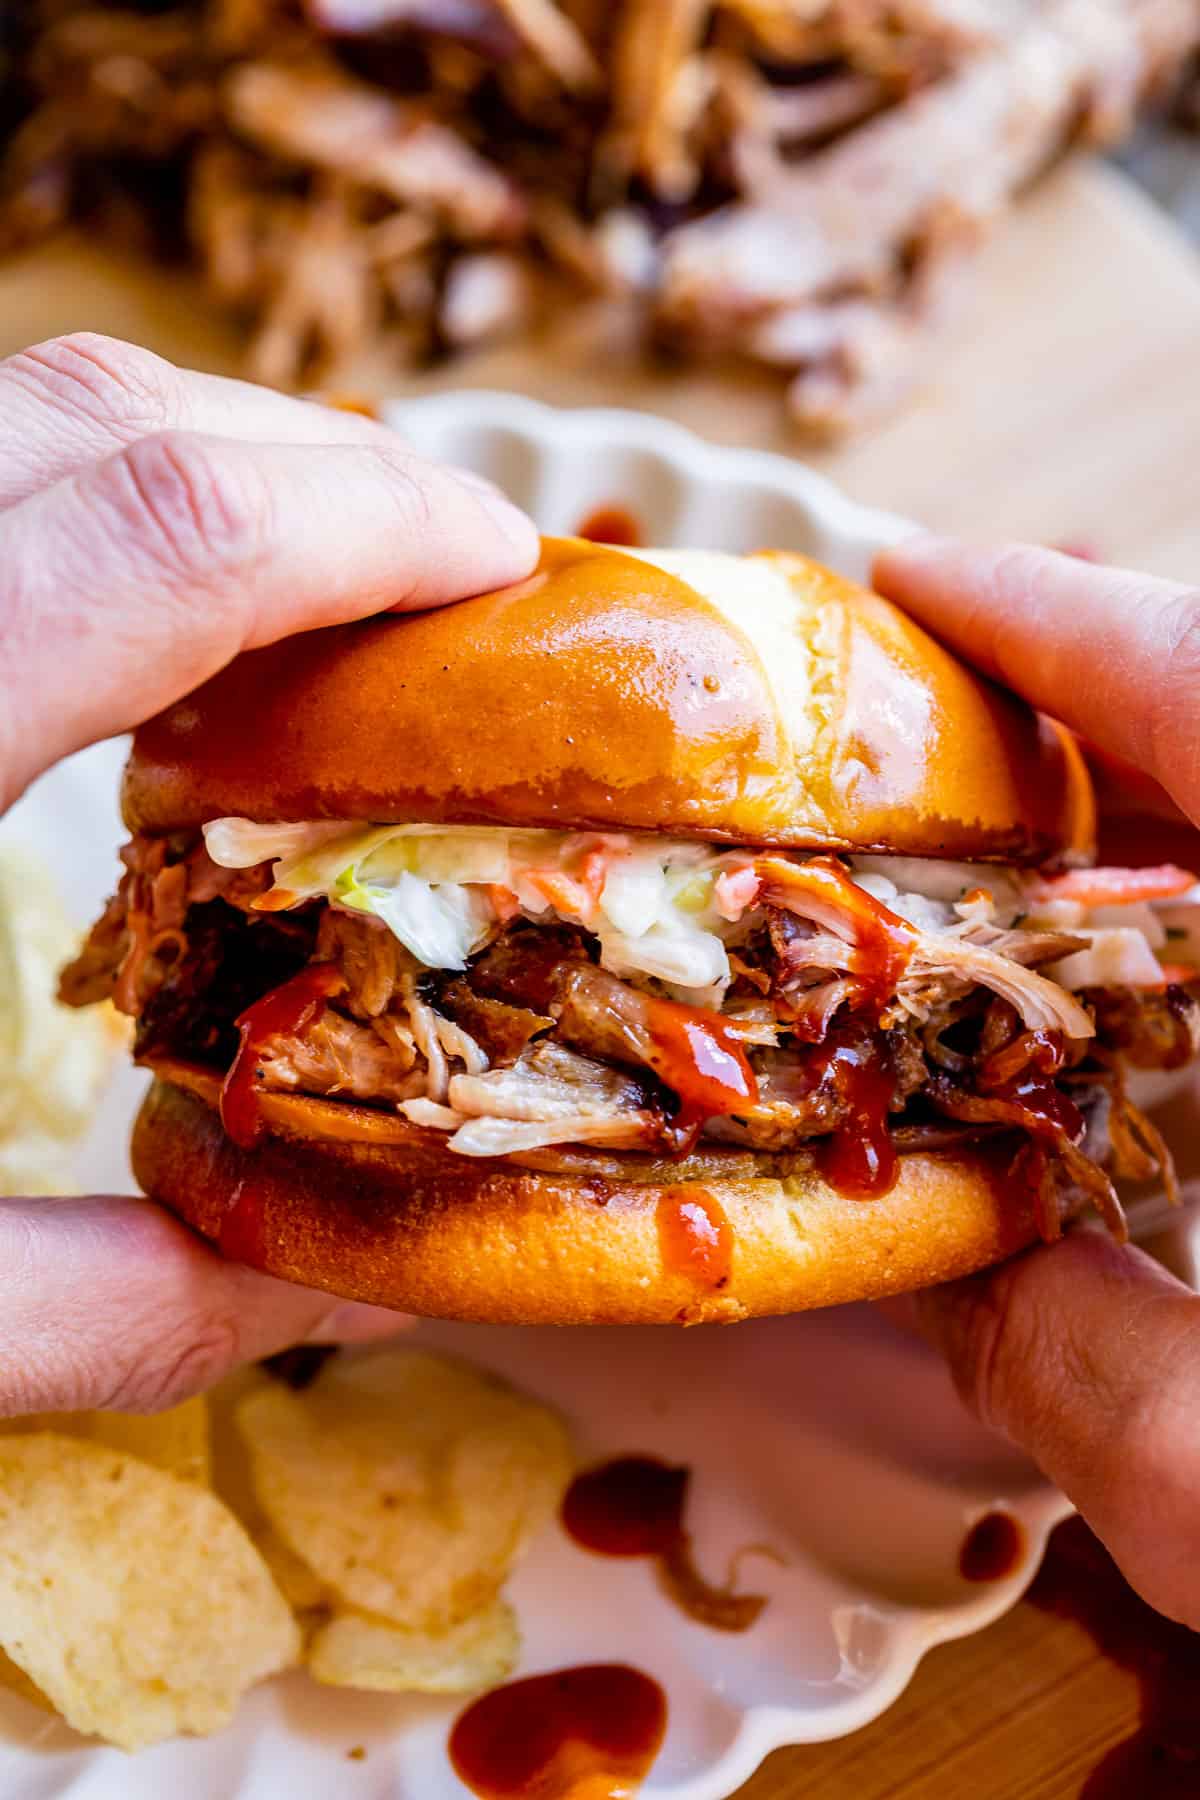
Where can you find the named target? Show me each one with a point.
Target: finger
(77, 399)
(1088, 1355)
(112, 1303)
(1138, 821)
(144, 574)
(1113, 654)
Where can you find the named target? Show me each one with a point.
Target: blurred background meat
(803, 183)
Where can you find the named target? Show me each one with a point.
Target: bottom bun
(415, 1227)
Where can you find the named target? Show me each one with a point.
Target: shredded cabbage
(441, 925)
(652, 901)
(438, 888)
(1115, 957)
(687, 959)
(240, 843)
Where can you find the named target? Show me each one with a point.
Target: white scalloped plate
(829, 1438)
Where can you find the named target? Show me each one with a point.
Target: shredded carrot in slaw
(1117, 887)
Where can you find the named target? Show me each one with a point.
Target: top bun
(757, 699)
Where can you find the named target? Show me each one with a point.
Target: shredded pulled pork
(338, 1056)
(140, 934)
(550, 1095)
(842, 1019)
(804, 183)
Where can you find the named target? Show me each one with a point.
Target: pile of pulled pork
(843, 1032)
(801, 182)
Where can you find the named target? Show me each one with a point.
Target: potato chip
(55, 1058)
(410, 1483)
(354, 1650)
(230, 1458)
(175, 1440)
(36, 1168)
(303, 1591)
(133, 1600)
(18, 1682)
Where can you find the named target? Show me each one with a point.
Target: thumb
(113, 1303)
(1088, 1355)
(1112, 653)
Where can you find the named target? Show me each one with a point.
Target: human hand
(1087, 1354)
(153, 524)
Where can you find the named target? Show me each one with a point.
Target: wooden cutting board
(1068, 408)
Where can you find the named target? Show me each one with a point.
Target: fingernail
(356, 1324)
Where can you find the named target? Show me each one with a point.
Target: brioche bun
(371, 1208)
(758, 700)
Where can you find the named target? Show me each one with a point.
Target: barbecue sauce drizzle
(882, 941)
(286, 1010)
(859, 1159)
(694, 1236)
(702, 1060)
(1022, 1074)
(634, 1506)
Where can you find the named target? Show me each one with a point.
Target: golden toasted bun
(383, 1212)
(757, 699)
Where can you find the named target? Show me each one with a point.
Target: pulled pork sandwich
(671, 936)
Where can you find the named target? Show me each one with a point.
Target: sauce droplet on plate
(992, 1548)
(695, 1237)
(592, 1730)
(612, 525)
(633, 1506)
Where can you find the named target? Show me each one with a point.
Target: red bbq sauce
(702, 1060)
(1161, 1760)
(595, 1730)
(240, 1236)
(883, 942)
(1042, 1052)
(858, 1160)
(991, 1549)
(1038, 1095)
(612, 524)
(720, 1608)
(1022, 1073)
(634, 1506)
(286, 1010)
(695, 1237)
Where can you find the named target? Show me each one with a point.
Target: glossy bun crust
(417, 1228)
(753, 699)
